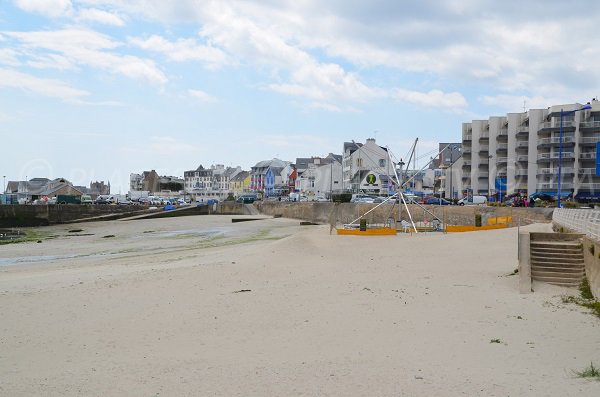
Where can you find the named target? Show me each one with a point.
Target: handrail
(586, 221)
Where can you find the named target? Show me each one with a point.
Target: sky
(97, 89)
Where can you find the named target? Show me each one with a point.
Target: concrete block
(524, 263)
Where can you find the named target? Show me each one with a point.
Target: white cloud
(52, 61)
(182, 50)
(9, 57)
(100, 16)
(168, 146)
(433, 99)
(50, 8)
(76, 46)
(202, 96)
(46, 87)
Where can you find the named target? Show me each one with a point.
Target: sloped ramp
(249, 209)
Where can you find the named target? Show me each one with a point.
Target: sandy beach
(199, 306)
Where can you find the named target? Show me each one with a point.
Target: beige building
(521, 152)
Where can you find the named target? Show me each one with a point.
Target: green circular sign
(371, 179)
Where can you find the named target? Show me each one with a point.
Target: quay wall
(318, 212)
(340, 213)
(43, 215)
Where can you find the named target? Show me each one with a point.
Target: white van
(472, 200)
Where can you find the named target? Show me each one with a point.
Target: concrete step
(568, 284)
(565, 276)
(556, 251)
(558, 280)
(577, 269)
(556, 245)
(555, 261)
(557, 257)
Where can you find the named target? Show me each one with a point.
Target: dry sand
(270, 308)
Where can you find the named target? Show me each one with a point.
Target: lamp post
(560, 147)
(4, 184)
(489, 157)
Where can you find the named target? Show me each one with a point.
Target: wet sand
(199, 306)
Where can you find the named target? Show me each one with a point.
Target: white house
(363, 162)
(320, 180)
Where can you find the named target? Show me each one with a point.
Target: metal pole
(560, 148)
(489, 157)
(331, 181)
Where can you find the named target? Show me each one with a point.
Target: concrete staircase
(557, 258)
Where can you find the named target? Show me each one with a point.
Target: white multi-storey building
(521, 152)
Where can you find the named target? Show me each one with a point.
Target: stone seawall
(323, 212)
(43, 215)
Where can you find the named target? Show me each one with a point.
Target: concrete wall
(42, 215)
(592, 264)
(323, 212)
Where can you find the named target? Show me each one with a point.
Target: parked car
(472, 200)
(246, 199)
(358, 198)
(437, 201)
(103, 199)
(368, 200)
(378, 200)
(86, 199)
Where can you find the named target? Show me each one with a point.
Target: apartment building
(521, 152)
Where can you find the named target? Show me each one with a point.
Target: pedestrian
(531, 203)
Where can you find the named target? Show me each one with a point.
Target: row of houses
(361, 167)
(38, 188)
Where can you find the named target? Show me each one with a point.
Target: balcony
(466, 150)
(555, 155)
(554, 171)
(483, 175)
(501, 174)
(590, 125)
(555, 124)
(503, 131)
(567, 140)
(467, 137)
(484, 148)
(552, 185)
(522, 158)
(521, 186)
(501, 160)
(501, 147)
(589, 186)
(522, 145)
(522, 130)
(587, 171)
(587, 156)
(521, 173)
(589, 140)
(485, 135)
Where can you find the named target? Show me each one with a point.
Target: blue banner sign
(598, 159)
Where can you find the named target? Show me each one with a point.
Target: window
(359, 162)
(382, 162)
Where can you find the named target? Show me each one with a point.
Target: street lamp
(4, 183)
(489, 157)
(560, 147)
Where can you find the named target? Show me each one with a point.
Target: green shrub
(585, 290)
(341, 197)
